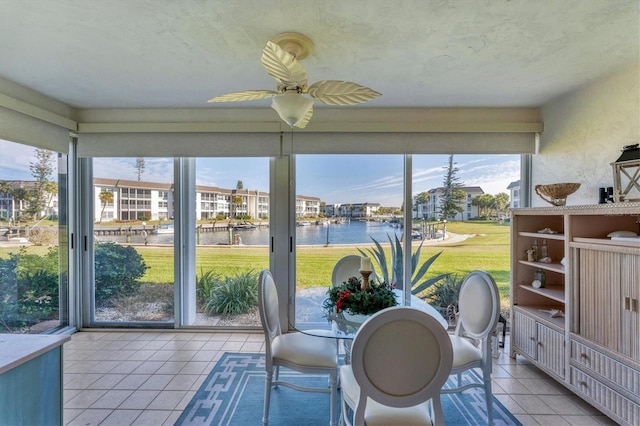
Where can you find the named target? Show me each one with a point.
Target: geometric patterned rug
(233, 394)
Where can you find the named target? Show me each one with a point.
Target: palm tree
(105, 198)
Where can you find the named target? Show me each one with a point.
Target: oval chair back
(347, 267)
(401, 357)
(478, 305)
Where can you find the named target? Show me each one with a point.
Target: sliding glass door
(34, 263)
(344, 204)
(232, 200)
(133, 241)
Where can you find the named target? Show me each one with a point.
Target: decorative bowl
(557, 193)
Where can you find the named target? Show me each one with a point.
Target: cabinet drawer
(626, 377)
(607, 400)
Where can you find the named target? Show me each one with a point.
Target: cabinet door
(600, 301)
(630, 271)
(551, 349)
(525, 336)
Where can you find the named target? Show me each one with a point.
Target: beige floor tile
(526, 420)
(213, 345)
(139, 399)
(564, 404)
(551, 420)
(121, 418)
(152, 418)
(252, 347)
(204, 355)
(544, 386)
(194, 367)
(80, 381)
(69, 414)
(171, 367)
(182, 355)
(523, 371)
(84, 399)
(126, 367)
(157, 382)
(90, 417)
(111, 399)
(194, 345)
(148, 367)
(174, 345)
(584, 420)
(167, 400)
(181, 382)
(154, 344)
(161, 356)
(173, 418)
(510, 404)
(132, 381)
(108, 381)
(69, 394)
(532, 404)
(233, 346)
(512, 386)
(141, 355)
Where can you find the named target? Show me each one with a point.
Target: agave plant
(418, 285)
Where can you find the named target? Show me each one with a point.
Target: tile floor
(148, 377)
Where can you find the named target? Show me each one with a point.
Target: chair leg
(489, 397)
(333, 384)
(267, 396)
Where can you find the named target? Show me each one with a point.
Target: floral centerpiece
(351, 298)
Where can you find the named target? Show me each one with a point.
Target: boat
(244, 225)
(163, 229)
(304, 223)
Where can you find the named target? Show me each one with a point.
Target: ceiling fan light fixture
(291, 107)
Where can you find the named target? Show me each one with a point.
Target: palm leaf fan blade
(245, 95)
(283, 66)
(336, 92)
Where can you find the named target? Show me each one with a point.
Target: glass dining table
(345, 326)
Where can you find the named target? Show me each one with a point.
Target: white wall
(584, 132)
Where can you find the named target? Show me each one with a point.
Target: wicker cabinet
(594, 348)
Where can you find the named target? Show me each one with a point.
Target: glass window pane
(232, 239)
(343, 204)
(133, 241)
(33, 244)
(460, 218)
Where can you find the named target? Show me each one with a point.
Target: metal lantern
(626, 174)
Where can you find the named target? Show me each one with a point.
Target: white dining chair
(400, 359)
(296, 351)
(478, 314)
(347, 267)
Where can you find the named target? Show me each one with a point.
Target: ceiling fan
(281, 57)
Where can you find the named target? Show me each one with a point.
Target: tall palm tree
(105, 198)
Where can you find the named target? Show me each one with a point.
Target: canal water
(355, 232)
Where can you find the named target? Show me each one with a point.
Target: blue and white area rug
(233, 394)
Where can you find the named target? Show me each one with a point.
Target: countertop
(16, 349)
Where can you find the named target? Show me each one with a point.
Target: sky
(335, 179)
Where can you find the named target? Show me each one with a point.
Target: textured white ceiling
(417, 53)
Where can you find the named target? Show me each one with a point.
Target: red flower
(344, 295)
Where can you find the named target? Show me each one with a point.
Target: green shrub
(204, 284)
(397, 276)
(233, 295)
(8, 292)
(117, 270)
(444, 297)
(27, 296)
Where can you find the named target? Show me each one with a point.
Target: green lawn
(487, 249)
